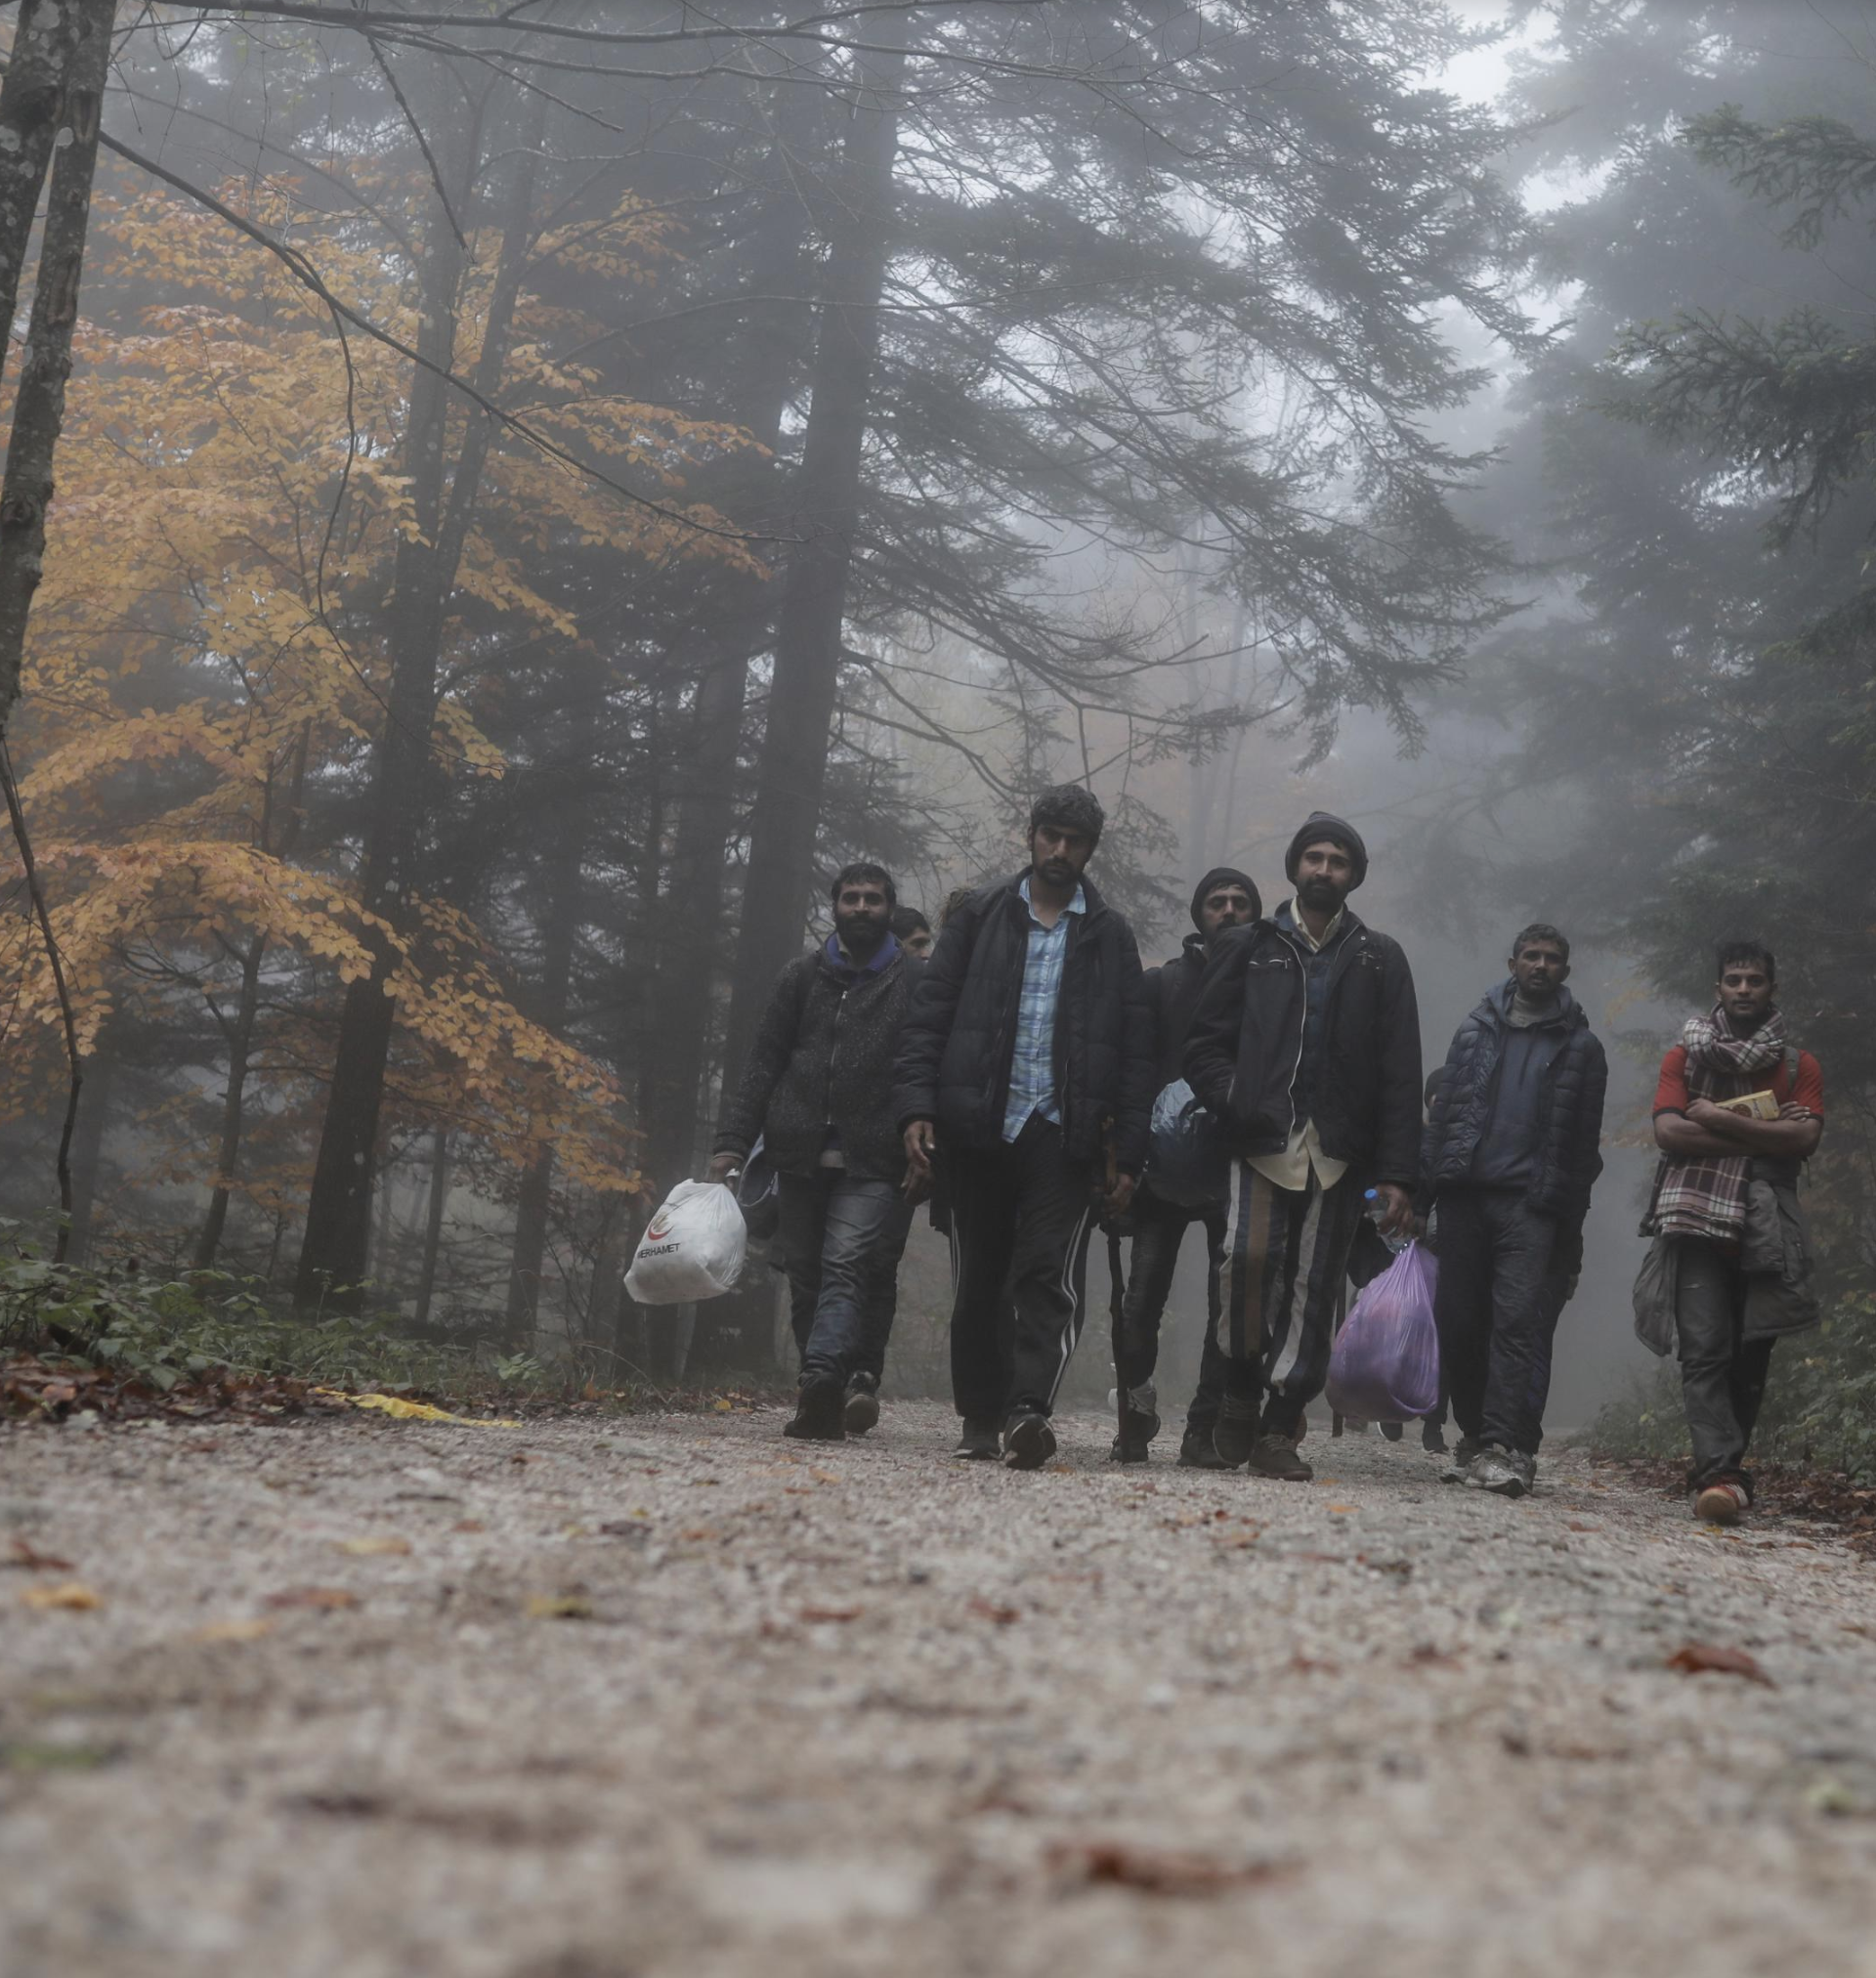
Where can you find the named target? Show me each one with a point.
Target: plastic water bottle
(1372, 1197)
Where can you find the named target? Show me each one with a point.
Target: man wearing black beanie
(1307, 1044)
(1225, 898)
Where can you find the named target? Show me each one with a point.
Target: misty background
(536, 495)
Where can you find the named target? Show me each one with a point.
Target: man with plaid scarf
(1712, 1151)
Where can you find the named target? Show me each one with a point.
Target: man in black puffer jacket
(1225, 898)
(1510, 1156)
(1306, 1045)
(818, 1089)
(1026, 1067)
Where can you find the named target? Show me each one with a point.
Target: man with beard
(1510, 1155)
(818, 1089)
(1025, 1069)
(1225, 898)
(1728, 1311)
(1306, 1045)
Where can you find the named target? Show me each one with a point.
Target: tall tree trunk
(32, 107)
(240, 1033)
(73, 41)
(536, 1200)
(332, 1253)
(688, 932)
(433, 1224)
(88, 1151)
(808, 631)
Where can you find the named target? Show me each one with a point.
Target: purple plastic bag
(1386, 1363)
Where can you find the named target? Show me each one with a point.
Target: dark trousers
(1499, 1299)
(1021, 1213)
(1159, 1229)
(1286, 1250)
(841, 1241)
(1722, 1375)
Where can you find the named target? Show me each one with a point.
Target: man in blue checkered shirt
(1025, 1073)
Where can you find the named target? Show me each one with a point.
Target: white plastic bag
(692, 1248)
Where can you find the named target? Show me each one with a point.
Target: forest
(500, 502)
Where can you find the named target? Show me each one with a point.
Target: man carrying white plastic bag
(693, 1248)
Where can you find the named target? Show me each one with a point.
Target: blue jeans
(841, 1239)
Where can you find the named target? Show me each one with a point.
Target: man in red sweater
(1711, 1156)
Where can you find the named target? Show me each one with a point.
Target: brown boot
(1276, 1456)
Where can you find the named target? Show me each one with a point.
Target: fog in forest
(535, 498)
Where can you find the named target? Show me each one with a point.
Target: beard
(1322, 894)
(859, 934)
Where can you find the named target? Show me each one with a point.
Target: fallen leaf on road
(235, 1631)
(819, 1476)
(820, 1613)
(401, 1410)
(374, 1548)
(1701, 1659)
(560, 1607)
(1344, 1507)
(23, 1553)
(1158, 1872)
(69, 1594)
(991, 1611)
(468, 1524)
(1575, 1526)
(312, 1597)
(722, 1406)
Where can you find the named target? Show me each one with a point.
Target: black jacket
(1245, 1047)
(1568, 1121)
(1173, 992)
(822, 1058)
(954, 1053)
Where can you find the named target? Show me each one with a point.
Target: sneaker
(1234, 1434)
(1028, 1441)
(1391, 1431)
(1275, 1455)
(1461, 1467)
(1432, 1438)
(1198, 1452)
(978, 1441)
(818, 1413)
(1722, 1503)
(1504, 1473)
(863, 1403)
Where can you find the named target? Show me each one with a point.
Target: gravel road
(667, 1695)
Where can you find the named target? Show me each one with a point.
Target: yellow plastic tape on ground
(401, 1410)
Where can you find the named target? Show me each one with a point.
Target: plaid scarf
(1706, 1195)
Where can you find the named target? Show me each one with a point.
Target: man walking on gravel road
(1737, 1112)
(1510, 1155)
(818, 1089)
(1223, 898)
(1026, 1070)
(1307, 1044)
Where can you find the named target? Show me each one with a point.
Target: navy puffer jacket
(1569, 1117)
(955, 1051)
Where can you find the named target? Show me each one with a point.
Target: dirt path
(864, 1710)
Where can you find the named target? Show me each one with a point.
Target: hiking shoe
(1461, 1467)
(1504, 1473)
(1234, 1434)
(978, 1441)
(1275, 1455)
(1198, 1452)
(1720, 1503)
(863, 1403)
(818, 1413)
(1028, 1442)
(1432, 1438)
(1139, 1424)
(1391, 1431)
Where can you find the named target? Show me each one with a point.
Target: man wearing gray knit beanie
(1025, 1073)
(1306, 1043)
